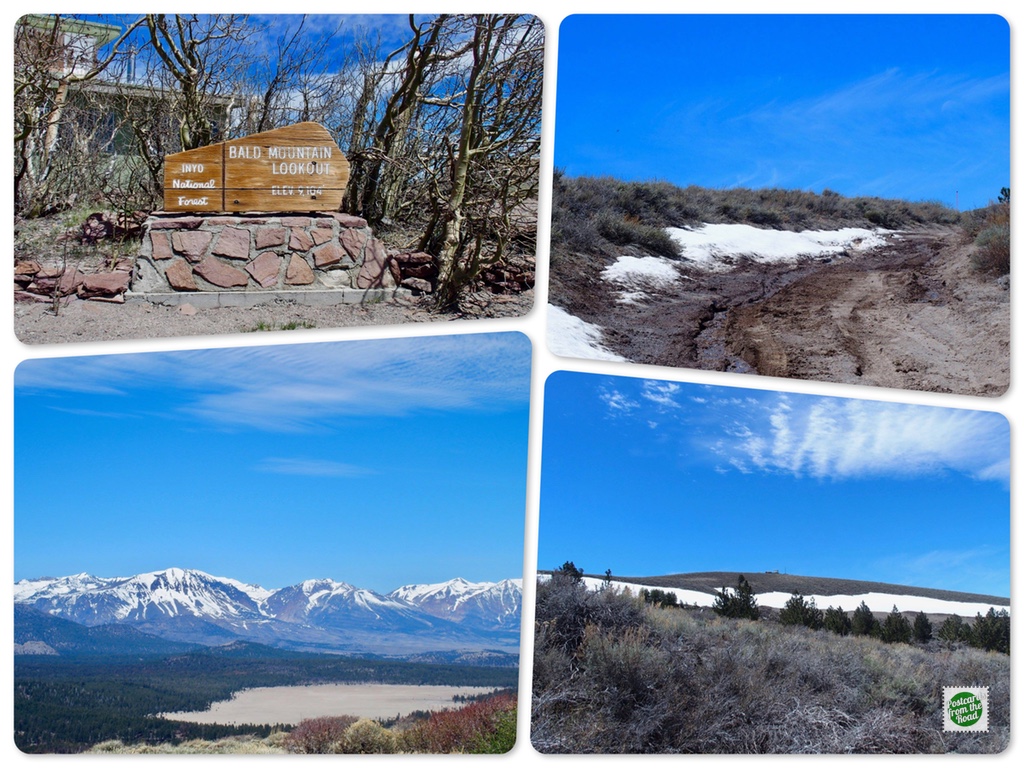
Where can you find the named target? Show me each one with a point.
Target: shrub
(565, 607)
(319, 735)
(481, 727)
(993, 250)
(627, 231)
(626, 665)
(367, 737)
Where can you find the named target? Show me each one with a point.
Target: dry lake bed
(295, 703)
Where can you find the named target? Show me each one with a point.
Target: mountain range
(318, 615)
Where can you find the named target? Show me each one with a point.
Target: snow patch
(717, 246)
(878, 602)
(568, 336)
(639, 274)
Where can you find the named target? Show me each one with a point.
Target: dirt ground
(912, 314)
(80, 321)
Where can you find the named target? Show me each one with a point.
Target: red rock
(396, 271)
(161, 245)
(177, 222)
(265, 269)
(179, 276)
(423, 271)
(232, 221)
(321, 236)
(270, 237)
(44, 286)
(347, 220)
(300, 241)
(299, 272)
(374, 271)
(45, 273)
(417, 257)
(220, 274)
(418, 285)
(353, 241)
(24, 296)
(104, 284)
(69, 281)
(233, 243)
(295, 221)
(27, 267)
(328, 255)
(191, 245)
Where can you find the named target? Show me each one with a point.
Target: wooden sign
(297, 168)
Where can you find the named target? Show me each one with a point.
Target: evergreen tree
(660, 597)
(570, 571)
(739, 603)
(863, 621)
(801, 612)
(837, 621)
(954, 630)
(896, 628)
(922, 628)
(991, 632)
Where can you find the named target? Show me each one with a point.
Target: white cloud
(850, 438)
(661, 393)
(618, 402)
(298, 386)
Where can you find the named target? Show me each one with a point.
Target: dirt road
(912, 314)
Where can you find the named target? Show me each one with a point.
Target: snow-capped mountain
(317, 614)
(89, 600)
(487, 605)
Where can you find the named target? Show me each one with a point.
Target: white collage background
(551, 12)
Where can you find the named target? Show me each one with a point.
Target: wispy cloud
(661, 393)
(833, 438)
(290, 387)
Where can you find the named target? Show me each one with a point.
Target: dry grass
(233, 745)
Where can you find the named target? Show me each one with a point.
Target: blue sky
(379, 463)
(909, 107)
(652, 477)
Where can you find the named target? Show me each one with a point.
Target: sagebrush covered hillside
(613, 675)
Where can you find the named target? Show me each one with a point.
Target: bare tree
(204, 56)
(494, 151)
(456, 141)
